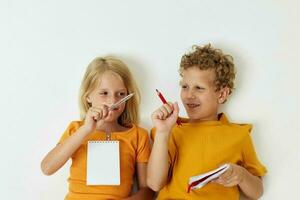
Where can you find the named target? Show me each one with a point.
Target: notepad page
(103, 163)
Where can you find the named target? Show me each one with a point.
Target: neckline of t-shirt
(133, 126)
(221, 120)
(202, 123)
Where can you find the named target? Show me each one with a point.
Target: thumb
(176, 109)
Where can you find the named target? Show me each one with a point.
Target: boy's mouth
(192, 105)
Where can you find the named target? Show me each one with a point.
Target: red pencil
(162, 98)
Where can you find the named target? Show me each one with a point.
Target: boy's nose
(190, 94)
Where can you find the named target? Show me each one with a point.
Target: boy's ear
(223, 94)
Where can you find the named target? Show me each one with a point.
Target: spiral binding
(104, 141)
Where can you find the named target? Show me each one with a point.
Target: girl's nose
(113, 99)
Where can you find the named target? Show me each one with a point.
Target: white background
(45, 47)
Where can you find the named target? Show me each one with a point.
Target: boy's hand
(93, 115)
(165, 117)
(233, 176)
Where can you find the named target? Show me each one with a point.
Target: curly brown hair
(207, 57)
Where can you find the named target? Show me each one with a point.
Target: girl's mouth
(115, 109)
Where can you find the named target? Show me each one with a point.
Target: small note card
(103, 163)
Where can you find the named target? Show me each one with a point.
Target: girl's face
(110, 89)
(199, 95)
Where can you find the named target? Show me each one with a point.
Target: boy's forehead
(195, 73)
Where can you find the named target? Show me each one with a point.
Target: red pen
(162, 98)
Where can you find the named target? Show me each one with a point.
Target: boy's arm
(144, 192)
(163, 119)
(250, 185)
(158, 162)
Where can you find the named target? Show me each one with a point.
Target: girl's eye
(103, 93)
(184, 86)
(122, 94)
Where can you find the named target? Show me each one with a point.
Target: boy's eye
(184, 86)
(200, 88)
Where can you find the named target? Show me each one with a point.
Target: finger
(232, 182)
(105, 111)
(227, 173)
(165, 112)
(102, 110)
(236, 179)
(214, 180)
(169, 107)
(99, 107)
(218, 181)
(96, 110)
(157, 114)
(95, 115)
(160, 115)
(175, 108)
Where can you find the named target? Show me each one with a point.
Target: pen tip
(157, 90)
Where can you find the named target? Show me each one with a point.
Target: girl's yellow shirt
(196, 148)
(134, 148)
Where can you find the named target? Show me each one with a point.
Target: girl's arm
(144, 192)
(58, 156)
(251, 185)
(158, 166)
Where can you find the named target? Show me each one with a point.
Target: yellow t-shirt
(196, 148)
(134, 147)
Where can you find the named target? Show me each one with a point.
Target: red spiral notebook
(198, 181)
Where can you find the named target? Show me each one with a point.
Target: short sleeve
(250, 159)
(143, 149)
(73, 126)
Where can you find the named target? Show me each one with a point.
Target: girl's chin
(111, 119)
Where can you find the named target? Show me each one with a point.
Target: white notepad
(196, 182)
(103, 163)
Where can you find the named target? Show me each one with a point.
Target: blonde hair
(91, 78)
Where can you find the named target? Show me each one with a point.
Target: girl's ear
(88, 99)
(223, 94)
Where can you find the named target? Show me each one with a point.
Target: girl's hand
(233, 176)
(165, 117)
(95, 115)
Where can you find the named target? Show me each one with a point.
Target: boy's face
(199, 95)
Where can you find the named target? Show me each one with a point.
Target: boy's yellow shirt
(196, 148)
(134, 148)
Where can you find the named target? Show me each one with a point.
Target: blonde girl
(106, 81)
